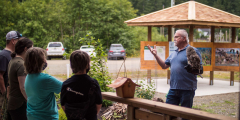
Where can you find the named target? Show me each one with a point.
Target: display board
(226, 56)
(215, 56)
(148, 61)
(206, 50)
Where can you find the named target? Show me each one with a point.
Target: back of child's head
(79, 61)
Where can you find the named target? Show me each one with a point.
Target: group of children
(80, 95)
(31, 92)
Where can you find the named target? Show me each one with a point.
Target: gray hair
(183, 33)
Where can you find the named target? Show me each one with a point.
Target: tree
(148, 6)
(104, 18)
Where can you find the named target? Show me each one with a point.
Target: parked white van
(55, 50)
(89, 49)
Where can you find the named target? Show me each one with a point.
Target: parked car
(55, 50)
(116, 51)
(89, 49)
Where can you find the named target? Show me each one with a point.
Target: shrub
(98, 69)
(146, 91)
(62, 115)
(67, 55)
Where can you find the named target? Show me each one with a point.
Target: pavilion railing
(151, 110)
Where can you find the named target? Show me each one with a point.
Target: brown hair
(79, 60)
(34, 60)
(21, 45)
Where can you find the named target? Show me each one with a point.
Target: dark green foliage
(148, 6)
(98, 69)
(44, 21)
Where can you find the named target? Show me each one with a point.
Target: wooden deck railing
(167, 110)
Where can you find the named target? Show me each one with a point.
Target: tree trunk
(73, 38)
(61, 31)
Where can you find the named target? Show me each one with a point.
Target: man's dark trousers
(183, 97)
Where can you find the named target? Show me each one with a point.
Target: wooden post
(231, 78)
(169, 33)
(191, 33)
(168, 76)
(233, 41)
(130, 113)
(212, 40)
(169, 40)
(167, 117)
(149, 39)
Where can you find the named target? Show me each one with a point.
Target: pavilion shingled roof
(188, 13)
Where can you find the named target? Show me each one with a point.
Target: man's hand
(159, 60)
(153, 51)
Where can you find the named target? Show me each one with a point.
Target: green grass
(141, 74)
(163, 74)
(221, 75)
(210, 111)
(228, 102)
(215, 104)
(62, 77)
(233, 114)
(204, 107)
(210, 107)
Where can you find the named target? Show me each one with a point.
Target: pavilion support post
(212, 40)
(233, 41)
(191, 33)
(149, 39)
(169, 40)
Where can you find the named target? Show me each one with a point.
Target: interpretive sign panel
(226, 56)
(147, 54)
(206, 50)
(148, 61)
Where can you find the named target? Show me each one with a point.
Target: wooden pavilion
(193, 15)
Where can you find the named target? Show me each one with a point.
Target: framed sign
(206, 50)
(226, 56)
(148, 61)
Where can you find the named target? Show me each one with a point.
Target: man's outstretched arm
(159, 60)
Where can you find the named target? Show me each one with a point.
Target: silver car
(55, 50)
(89, 49)
(116, 51)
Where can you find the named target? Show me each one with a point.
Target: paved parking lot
(60, 66)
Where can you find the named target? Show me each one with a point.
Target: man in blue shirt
(12, 38)
(182, 83)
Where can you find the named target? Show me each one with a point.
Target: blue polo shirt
(180, 78)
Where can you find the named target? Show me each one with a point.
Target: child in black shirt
(81, 96)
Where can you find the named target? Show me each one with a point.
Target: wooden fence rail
(152, 108)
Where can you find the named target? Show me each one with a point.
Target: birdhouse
(125, 87)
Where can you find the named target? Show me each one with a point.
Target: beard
(175, 43)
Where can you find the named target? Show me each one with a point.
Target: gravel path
(225, 104)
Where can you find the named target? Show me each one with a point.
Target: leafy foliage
(148, 6)
(62, 115)
(140, 34)
(105, 18)
(46, 21)
(146, 91)
(98, 69)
